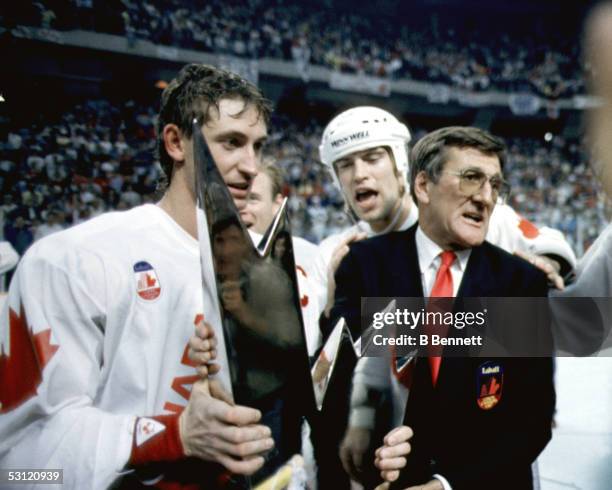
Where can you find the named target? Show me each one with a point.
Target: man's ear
(421, 188)
(173, 142)
(276, 204)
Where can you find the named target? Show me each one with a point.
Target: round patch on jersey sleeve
(147, 282)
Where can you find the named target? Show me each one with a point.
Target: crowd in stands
(533, 61)
(100, 156)
(53, 174)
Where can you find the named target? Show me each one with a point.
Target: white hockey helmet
(361, 128)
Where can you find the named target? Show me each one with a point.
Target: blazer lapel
(478, 280)
(405, 272)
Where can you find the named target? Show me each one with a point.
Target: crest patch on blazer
(489, 383)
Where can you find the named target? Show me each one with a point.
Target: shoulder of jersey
(303, 243)
(109, 226)
(505, 212)
(332, 241)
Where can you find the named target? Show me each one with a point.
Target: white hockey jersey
(94, 333)
(594, 271)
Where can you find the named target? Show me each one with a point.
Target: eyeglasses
(471, 181)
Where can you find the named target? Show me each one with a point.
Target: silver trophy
(262, 321)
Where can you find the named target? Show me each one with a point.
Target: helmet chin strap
(390, 227)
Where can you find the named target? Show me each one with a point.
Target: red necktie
(442, 288)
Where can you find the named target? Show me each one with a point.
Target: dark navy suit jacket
(453, 436)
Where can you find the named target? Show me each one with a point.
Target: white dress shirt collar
(428, 253)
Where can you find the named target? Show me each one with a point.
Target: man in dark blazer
(461, 436)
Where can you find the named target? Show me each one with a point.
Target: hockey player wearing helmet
(381, 200)
(366, 150)
(369, 138)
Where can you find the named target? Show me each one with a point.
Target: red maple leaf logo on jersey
(147, 428)
(150, 281)
(21, 369)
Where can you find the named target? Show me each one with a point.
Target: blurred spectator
(18, 233)
(130, 197)
(55, 221)
(300, 52)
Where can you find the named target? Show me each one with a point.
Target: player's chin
(368, 215)
(240, 203)
(247, 219)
